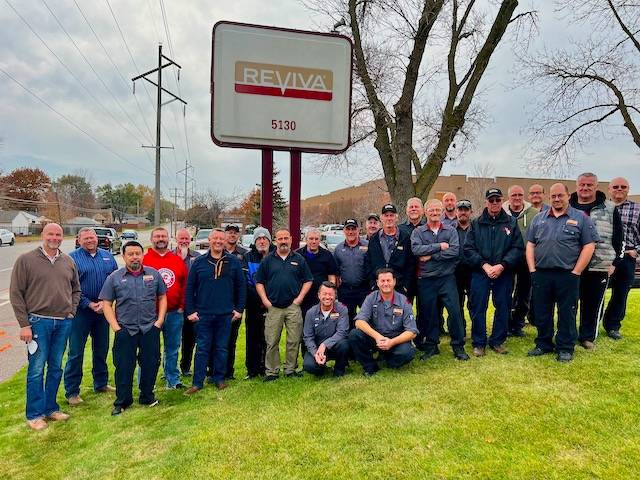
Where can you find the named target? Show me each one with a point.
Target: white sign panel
(280, 89)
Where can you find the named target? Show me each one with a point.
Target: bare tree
(589, 89)
(412, 111)
(483, 179)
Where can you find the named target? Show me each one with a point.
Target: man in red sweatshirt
(174, 273)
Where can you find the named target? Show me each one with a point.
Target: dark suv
(107, 239)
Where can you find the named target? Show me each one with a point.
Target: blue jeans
(51, 336)
(172, 335)
(87, 322)
(212, 338)
(500, 290)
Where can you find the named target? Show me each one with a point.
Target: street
(12, 350)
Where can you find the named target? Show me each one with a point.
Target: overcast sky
(119, 123)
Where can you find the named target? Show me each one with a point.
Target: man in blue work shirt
(282, 282)
(215, 296)
(436, 246)
(94, 266)
(560, 244)
(384, 323)
(464, 212)
(325, 331)
(141, 305)
(493, 248)
(351, 260)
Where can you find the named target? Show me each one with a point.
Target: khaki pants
(291, 318)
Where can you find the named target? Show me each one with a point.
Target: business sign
(280, 89)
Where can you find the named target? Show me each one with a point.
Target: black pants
(352, 297)
(551, 288)
(431, 292)
(256, 346)
(188, 345)
(339, 352)
(126, 348)
(463, 284)
(593, 285)
(521, 297)
(621, 282)
(363, 347)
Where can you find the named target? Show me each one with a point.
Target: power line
(72, 123)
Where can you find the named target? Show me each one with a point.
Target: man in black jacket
(391, 248)
(493, 249)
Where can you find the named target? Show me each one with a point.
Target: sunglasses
(494, 200)
(619, 187)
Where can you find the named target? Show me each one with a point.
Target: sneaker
(588, 345)
(188, 373)
(37, 424)
(293, 374)
(460, 354)
(74, 400)
(117, 411)
(430, 352)
(536, 352)
(270, 378)
(564, 357)
(58, 416)
(478, 351)
(105, 389)
(614, 334)
(191, 390)
(500, 349)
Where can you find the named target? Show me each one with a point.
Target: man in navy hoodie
(216, 294)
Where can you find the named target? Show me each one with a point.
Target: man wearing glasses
(622, 278)
(493, 249)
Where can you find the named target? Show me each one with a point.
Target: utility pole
(187, 178)
(157, 146)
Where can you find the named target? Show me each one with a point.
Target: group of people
(353, 304)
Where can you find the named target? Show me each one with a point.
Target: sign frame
(292, 148)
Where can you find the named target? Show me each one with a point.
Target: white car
(7, 237)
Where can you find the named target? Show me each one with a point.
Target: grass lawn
(490, 418)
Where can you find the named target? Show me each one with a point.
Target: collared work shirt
(388, 243)
(283, 278)
(93, 271)
(388, 318)
(351, 262)
(135, 297)
(328, 330)
(559, 240)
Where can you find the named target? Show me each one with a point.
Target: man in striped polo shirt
(94, 266)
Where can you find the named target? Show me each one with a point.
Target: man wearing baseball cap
(464, 211)
(391, 248)
(373, 225)
(493, 249)
(351, 259)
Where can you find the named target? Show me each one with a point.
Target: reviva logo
(284, 81)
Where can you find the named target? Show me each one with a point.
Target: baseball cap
(493, 192)
(350, 222)
(464, 203)
(232, 227)
(389, 207)
(375, 216)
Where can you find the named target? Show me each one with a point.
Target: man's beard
(283, 247)
(160, 245)
(135, 266)
(53, 244)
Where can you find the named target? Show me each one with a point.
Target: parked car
(332, 240)
(202, 238)
(6, 237)
(129, 235)
(107, 239)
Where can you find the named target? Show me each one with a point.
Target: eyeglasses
(535, 193)
(494, 200)
(619, 187)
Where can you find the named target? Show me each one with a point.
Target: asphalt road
(12, 350)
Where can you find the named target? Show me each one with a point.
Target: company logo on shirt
(168, 276)
(283, 81)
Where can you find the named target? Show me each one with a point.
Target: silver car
(6, 237)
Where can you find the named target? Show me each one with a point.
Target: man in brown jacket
(45, 293)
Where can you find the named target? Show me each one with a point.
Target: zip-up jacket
(172, 270)
(401, 261)
(606, 218)
(251, 262)
(425, 242)
(493, 241)
(524, 219)
(215, 288)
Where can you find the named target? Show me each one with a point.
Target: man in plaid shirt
(622, 278)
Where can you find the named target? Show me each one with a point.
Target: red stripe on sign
(289, 92)
(4, 347)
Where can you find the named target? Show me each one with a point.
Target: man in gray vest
(595, 277)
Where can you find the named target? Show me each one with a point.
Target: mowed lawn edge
(495, 417)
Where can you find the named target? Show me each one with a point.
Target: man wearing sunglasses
(494, 248)
(622, 278)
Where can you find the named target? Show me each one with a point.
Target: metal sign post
(295, 189)
(266, 190)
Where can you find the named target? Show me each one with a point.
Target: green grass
(490, 418)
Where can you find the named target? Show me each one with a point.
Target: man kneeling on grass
(326, 326)
(384, 323)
